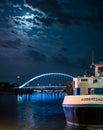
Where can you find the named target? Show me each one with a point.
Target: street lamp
(18, 77)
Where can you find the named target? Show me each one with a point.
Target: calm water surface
(39, 111)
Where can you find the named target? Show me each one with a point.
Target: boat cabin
(89, 84)
(99, 69)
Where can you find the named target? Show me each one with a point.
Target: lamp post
(18, 77)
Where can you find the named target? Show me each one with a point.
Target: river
(37, 111)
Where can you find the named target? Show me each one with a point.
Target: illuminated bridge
(48, 80)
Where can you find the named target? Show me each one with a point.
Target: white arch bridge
(48, 79)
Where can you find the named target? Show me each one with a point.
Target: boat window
(100, 71)
(87, 73)
(84, 79)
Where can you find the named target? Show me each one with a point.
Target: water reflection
(39, 111)
(40, 96)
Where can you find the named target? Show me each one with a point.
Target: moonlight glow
(28, 16)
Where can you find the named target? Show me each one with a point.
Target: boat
(83, 103)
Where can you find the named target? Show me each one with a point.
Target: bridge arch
(44, 75)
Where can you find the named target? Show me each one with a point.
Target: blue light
(47, 74)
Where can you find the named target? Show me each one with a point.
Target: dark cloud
(58, 11)
(55, 11)
(45, 21)
(3, 1)
(11, 43)
(60, 60)
(52, 9)
(15, 2)
(36, 56)
(64, 49)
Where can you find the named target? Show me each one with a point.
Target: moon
(28, 16)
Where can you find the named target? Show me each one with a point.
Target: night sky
(41, 36)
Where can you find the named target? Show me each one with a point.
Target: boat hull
(86, 113)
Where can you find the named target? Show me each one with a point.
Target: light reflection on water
(40, 96)
(38, 111)
(41, 111)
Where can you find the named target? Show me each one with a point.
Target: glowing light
(62, 74)
(28, 16)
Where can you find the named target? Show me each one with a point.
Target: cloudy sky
(40, 36)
